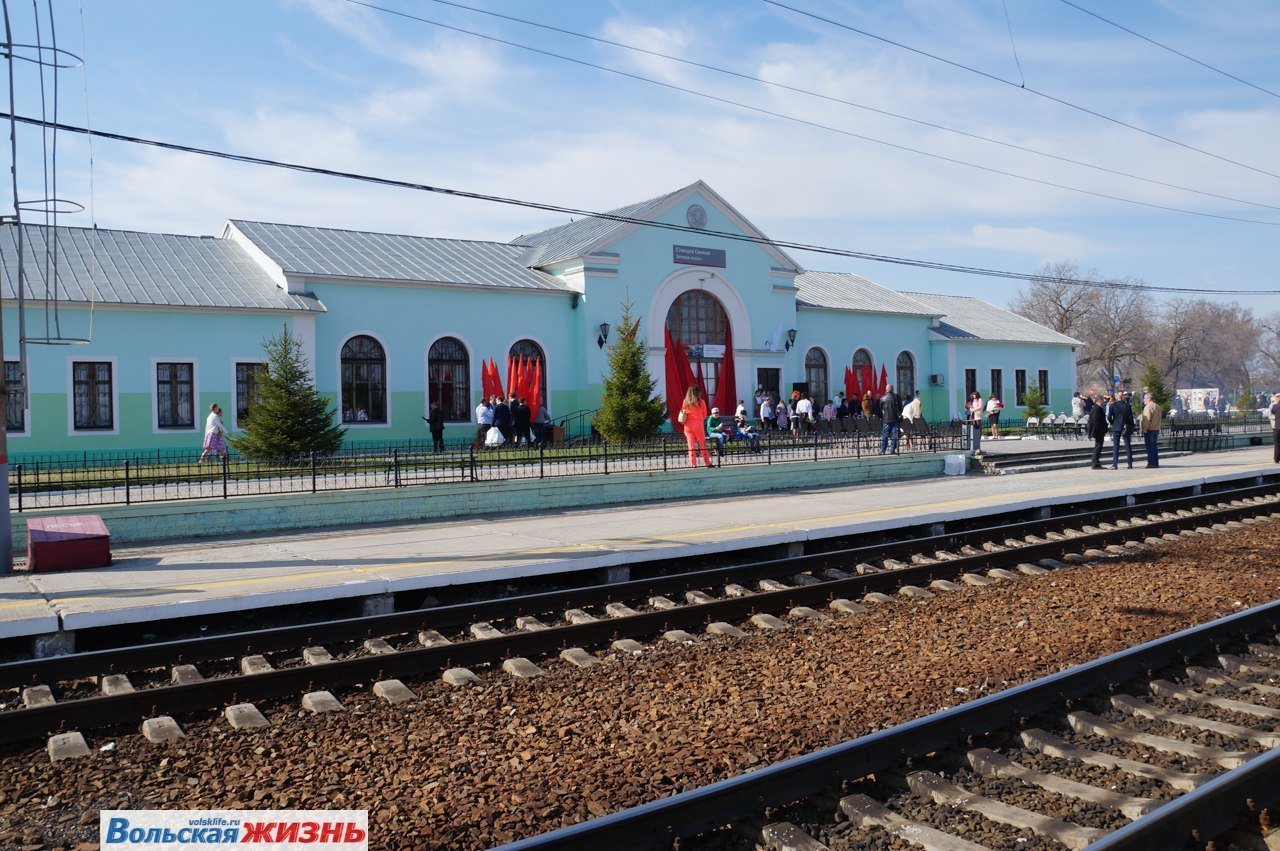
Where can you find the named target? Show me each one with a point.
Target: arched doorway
(531, 352)
(698, 320)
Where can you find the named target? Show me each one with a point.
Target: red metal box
(67, 543)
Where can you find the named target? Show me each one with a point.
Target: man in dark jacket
(435, 421)
(1274, 413)
(502, 418)
(523, 416)
(891, 415)
(1097, 429)
(1120, 418)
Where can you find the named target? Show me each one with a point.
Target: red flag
(727, 391)
(884, 380)
(495, 379)
(679, 377)
(535, 393)
(850, 388)
(511, 374)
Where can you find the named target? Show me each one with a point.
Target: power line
(1172, 50)
(810, 93)
(1024, 88)
(573, 211)
(829, 128)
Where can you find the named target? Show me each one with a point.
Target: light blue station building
(390, 323)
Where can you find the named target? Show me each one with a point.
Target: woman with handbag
(693, 420)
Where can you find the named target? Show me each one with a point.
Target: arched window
(815, 372)
(448, 379)
(364, 381)
(697, 320)
(861, 358)
(906, 383)
(532, 352)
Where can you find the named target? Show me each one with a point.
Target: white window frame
(72, 431)
(234, 419)
(337, 362)
(26, 408)
(197, 422)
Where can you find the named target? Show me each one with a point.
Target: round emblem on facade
(696, 216)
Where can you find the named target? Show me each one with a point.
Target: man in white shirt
(804, 410)
(484, 422)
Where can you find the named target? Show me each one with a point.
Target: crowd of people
(704, 429)
(499, 420)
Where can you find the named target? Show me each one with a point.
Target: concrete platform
(182, 581)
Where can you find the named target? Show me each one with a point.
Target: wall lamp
(791, 338)
(604, 334)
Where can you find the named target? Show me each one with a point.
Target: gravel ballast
(472, 767)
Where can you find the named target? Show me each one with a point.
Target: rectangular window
(1044, 386)
(15, 413)
(970, 384)
(249, 377)
(91, 395)
(175, 407)
(1020, 385)
(997, 383)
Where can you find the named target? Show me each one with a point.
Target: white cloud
(1044, 245)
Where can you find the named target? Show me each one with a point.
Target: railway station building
(153, 328)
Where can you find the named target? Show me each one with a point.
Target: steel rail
(134, 707)
(191, 650)
(656, 824)
(1209, 811)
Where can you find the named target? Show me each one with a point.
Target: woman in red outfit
(693, 419)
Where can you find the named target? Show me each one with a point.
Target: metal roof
(847, 291)
(128, 267)
(567, 241)
(330, 253)
(968, 318)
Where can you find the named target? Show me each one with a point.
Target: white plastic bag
(955, 465)
(494, 438)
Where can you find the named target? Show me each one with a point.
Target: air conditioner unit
(937, 380)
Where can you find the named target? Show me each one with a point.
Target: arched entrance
(698, 320)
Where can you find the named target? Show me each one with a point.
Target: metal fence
(107, 478)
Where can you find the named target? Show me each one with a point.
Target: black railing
(130, 478)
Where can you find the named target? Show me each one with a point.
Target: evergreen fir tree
(629, 409)
(1033, 402)
(1154, 382)
(287, 417)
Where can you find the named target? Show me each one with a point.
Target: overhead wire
(1037, 92)
(1172, 50)
(810, 93)
(818, 125)
(1022, 75)
(616, 217)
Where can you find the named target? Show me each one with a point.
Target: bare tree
(1110, 319)
(1266, 370)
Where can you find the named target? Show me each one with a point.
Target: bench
(1196, 437)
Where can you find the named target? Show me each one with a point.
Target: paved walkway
(211, 577)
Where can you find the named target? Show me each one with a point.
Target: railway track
(1168, 745)
(62, 696)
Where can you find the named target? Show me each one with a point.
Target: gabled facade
(390, 322)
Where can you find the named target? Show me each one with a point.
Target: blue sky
(334, 84)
